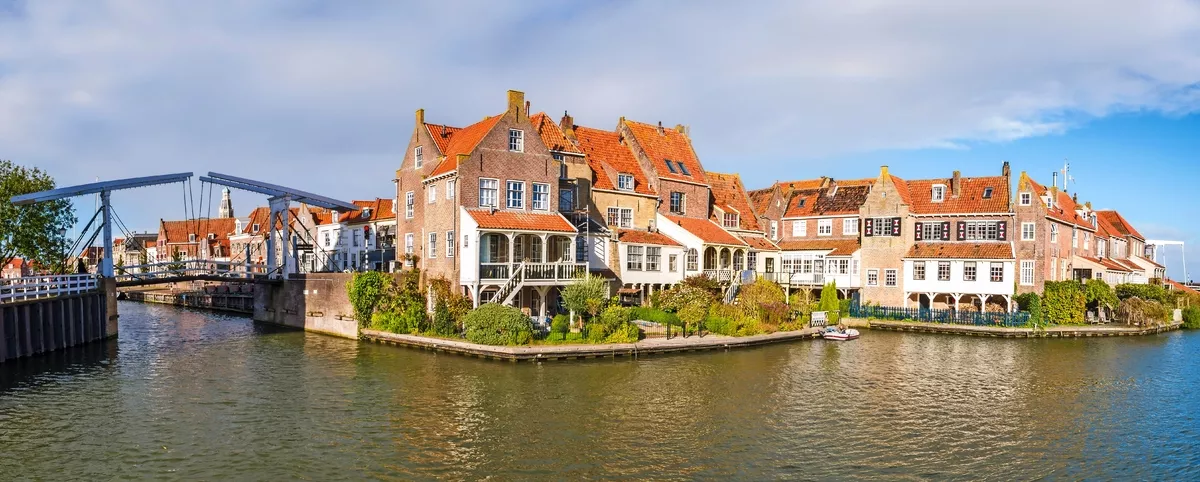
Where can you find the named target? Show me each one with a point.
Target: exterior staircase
(509, 290)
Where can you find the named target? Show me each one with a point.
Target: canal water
(194, 395)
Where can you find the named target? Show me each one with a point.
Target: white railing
(719, 274)
(504, 294)
(533, 272)
(33, 287)
(196, 267)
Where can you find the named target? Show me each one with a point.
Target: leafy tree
(1064, 303)
(705, 283)
(366, 290)
(34, 231)
(1100, 295)
(829, 300)
(588, 295)
(176, 261)
(120, 266)
(690, 303)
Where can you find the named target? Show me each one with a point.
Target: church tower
(226, 210)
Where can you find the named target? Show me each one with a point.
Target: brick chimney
(420, 117)
(682, 129)
(1075, 198)
(883, 172)
(956, 184)
(568, 125)
(660, 129)
(516, 104)
(1006, 171)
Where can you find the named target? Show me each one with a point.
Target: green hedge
(1191, 317)
(1064, 303)
(655, 315)
(1145, 292)
(494, 324)
(1032, 303)
(366, 290)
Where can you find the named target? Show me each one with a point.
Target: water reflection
(198, 395)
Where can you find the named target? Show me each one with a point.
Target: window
(800, 228)
(562, 166)
(192, 237)
(1053, 233)
(328, 242)
(516, 195)
(419, 155)
(939, 193)
(409, 201)
(432, 245)
(566, 199)
(620, 217)
(1027, 273)
(488, 192)
(676, 202)
(541, 196)
(943, 271)
(730, 220)
(672, 263)
(882, 227)
(432, 193)
(633, 258)
(931, 231)
(843, 266)
(889, 277)
(850, 226)
(824, 227)
(671, 167)
(1087, 240)
(408, 243)
(354, 238)
(692, 260)
(919, 270)
(581, 249)
(774, 229)
(752, 261)
(449, 244)
(1074, 238)
(254, 228)
(872, 277)
(1027, 231)
(653, 258)
(683, 168)
(982, 231)
(969, 271)
(1026, 198)
(987, 193)
(997, 272)
(516, 140)
(450, 186)
(625, 182)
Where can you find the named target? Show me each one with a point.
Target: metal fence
(952, 317)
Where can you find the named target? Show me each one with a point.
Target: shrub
(705, 283)
(690, 303)
(1099, 294)
(730, 321)
(561, 324)
(775, 314)
(494, 324)
(829, 301)
(1032, 303)
(760, 293)
(721, 326)
(613, 326)
(655, 315)
(588, 295)
(443, 320)
(1145, 292)
(1064, 303)
(1191, 317)
(366, 290)
(1136, 311)
(626, 333)
(409, 321)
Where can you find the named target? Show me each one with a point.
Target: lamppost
(63, 233)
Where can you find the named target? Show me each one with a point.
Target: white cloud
(320, 94)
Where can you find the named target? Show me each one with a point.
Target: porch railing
(719, 274)
(952, 317)
(533, 272)
(32, 287)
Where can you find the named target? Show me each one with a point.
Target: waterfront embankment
(229, 301)
(1058, 331)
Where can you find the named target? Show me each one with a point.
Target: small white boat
(832, 333)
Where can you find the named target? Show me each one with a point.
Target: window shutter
(870, 228)
(919, 232)
(1002, 230)
(895, 226)
(945, 230)
(962, 231)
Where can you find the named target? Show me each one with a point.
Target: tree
(1100, 295)
(120, 266)
(690, 303)
(176, 261)
(829, 301)
(588, 295)
(36, 231)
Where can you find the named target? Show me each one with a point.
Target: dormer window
(254, 228)
(191, 238)
(671, 167)
(939, 193)
(802, 203)
(419, 155)
(516, 140)
(987, 193)
(730, 220)
(1026, 198)
(366, 213)
(212, 236)
(625, 182)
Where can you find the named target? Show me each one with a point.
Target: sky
(319, 95)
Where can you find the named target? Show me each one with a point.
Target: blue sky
(320, 94)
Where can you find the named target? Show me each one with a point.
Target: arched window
(692, 261)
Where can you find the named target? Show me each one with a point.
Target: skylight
(987, 193)
(683, 168)
(671, 167)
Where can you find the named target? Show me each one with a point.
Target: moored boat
(836, 334)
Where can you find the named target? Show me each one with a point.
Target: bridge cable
(75, 244)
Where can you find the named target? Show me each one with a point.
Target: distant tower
(226, 210)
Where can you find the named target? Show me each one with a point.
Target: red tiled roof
(260, 214)
(728, 192)
(760, 243)
(961, 251)
(1119, 224)
(441, 135)
(552, 134)
(1148, 260)
(1181, 287)
(969, 199)
(645, 237)
(1110, 264)
(178, 231)
(669, 145)
(761, 199)
(1065, 210)
(606, 153)
(839, 200)
(1127, 264)
(806, 184)
(837, 247)
(902, 188)
(708, 231)
(520, 221)
(463, 141)
(379, 209)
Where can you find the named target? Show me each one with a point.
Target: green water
(193, 395)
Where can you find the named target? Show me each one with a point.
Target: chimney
(516, 102)
(682, 129)
(1075, 198)
(956, 184)
(883, 171)
(660, 129)
(1054, 175)
(527, 111)
(832, 187)
(420, 117)
(568, 125)
(1006, 171)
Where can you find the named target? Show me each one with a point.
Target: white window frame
(692, 260)
(825, 227)
(919, 271)
(939, 193)
(451, 184)
(508, 192)
(625, 182)
(944, 275)
(432, 246)
(730, 220)
(682, 203)
(973, 273)
(653, 258)
(494, 189)
(1053, 233)
(516, 140)
(1027, 267)
(419, 156)
(800, 228)
(774, 229)
(409, 239)
(1028, 231)
(633, 258)
(450, 244)
(545, 204)
(410, 201)
(873, 277)
(432, 193)
(1026, 198)
(891, 278)
(992, 272)
(849, 226)
(623, 217)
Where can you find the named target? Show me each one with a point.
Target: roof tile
(961, 251)
(645, 237)
(669, 145)
(708, 231)
(837, 247)
(728, 192)
(520, 221)
(604, 149)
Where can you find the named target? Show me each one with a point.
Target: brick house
(1133, 254)
(820, 232)
(359, 240)
(477, 209)
(17, 268)
(195, 239)
(1054, 236)
(248, 244)
(128, 252)
(733, 211)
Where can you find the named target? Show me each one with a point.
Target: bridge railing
(33, 287)
(196, 267)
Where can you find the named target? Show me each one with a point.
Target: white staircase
(509, 290)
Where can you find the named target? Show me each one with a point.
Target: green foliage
(560, 325)
(120, 266)
(705, 283)
(689, 303)
(613, 326)
(729, 321)
(829, 300)
(1032, 303)
(35, 231)
(443, 320)
(802, 300)
(655, 315)
(1145, 292)
(1099, 294)
(176, 261)
(410, 321)
(588, 295)
(1139, 312)
(1064, 303)
(1191, 317)
(366, 290)
(457, 305)
(494, 324)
